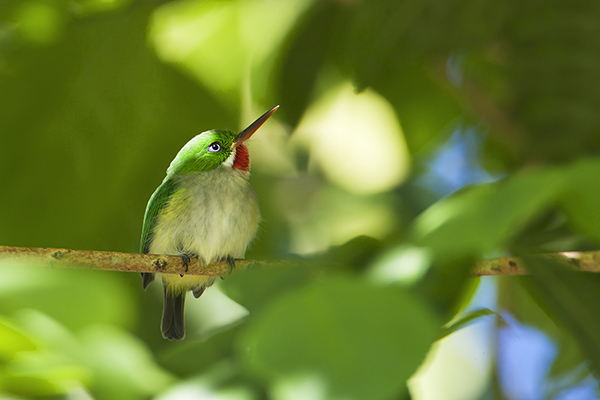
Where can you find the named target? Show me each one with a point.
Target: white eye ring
(214, 147)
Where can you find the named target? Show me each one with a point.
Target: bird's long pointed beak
(249, 131)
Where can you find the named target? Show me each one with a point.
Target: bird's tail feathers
(172, 325)
(198, 290)
(147, 278)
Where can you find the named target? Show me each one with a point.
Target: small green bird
(204, 208)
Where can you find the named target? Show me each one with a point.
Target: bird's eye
(214, 147)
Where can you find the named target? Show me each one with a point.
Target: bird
(205, 208)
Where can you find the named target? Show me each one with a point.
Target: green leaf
(580, 201)
(246, 36)
(42, 374)
(428, 112)
(448, 285)
(514, 298)
(351, 339)
(29, 386)
(123, 367)
(571, 298)
(356, 253)
(304, 60)
(32, 370)
(196, 357)
(480, 220)
(255, 287)
(76, 298)
(13, 341)
(466, 319)
(569, 362)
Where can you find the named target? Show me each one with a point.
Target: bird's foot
(231, 261)
(186, 258)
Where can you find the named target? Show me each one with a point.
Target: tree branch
(578, 260)
(133, 262)
(128, 262)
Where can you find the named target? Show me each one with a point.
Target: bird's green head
(216, 147)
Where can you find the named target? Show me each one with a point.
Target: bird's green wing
(157, 202)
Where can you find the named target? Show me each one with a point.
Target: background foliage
(413, 138)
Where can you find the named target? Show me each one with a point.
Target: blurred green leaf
(123, 367)
(245, 35)
(570, 297)
(33, 369)
(427, 111)
(467, 319)
(40, 375)
(90, 7)
(350, 339)
(448, 285)
(514, 298)
(196, 357)
(401, 265)
(456, 225)
(255, 287)
(28, 386)
(479, 220)
(580, 199)
(305, 59)
(40, 22)
(76, 298)
(570, 363)
(357, 253)
(13, 341)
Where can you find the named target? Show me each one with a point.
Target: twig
(133, 262)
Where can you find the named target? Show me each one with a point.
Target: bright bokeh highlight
(356, 140)
(224, 44)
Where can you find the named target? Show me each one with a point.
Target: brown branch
(579, 260)
(113, 261)
(133, 262)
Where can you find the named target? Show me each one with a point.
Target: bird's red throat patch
(242, 158)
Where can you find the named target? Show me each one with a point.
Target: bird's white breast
(213, 214)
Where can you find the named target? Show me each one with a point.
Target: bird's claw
(231, 261)
(186, 261)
